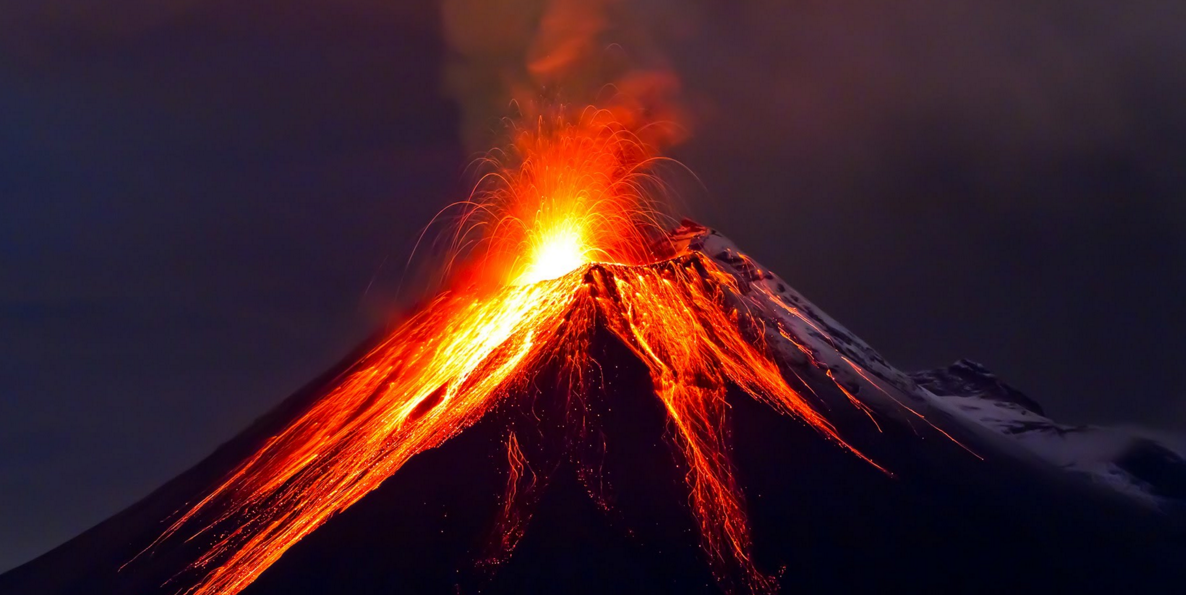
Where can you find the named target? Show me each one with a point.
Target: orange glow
(566, 240)
(566, 192)
(559, 250)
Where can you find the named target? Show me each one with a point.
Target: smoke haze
(517, 58)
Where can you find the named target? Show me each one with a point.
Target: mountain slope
(1119, 459)
(980, 498)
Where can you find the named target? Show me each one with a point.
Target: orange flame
(564, 232)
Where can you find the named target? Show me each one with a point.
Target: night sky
(204, 203)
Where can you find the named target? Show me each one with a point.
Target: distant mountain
(1120, 459)
(982, 492)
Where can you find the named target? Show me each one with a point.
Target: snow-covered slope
(964, 395)
(1120, 458)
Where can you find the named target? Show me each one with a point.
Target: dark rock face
(967, 378)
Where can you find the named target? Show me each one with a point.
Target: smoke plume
(519, 58)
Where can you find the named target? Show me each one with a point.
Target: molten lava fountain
(562, 239)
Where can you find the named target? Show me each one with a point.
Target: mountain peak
(757, 388)
(968, 378)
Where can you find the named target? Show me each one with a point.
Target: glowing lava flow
(570, 203)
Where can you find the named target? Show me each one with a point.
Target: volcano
(575, 478)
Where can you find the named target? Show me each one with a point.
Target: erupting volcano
(568, 242)
(562, 278)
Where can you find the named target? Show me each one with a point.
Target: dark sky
(195, 199)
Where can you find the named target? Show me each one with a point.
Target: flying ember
(564, 194)
(566, 239)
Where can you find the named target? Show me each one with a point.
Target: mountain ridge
(921, 436)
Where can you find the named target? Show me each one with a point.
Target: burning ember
(562, 239)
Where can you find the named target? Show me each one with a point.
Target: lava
(568, 191)
(564, 240)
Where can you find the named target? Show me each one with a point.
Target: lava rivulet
(565, 227)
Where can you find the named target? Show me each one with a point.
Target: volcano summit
(527, 452)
